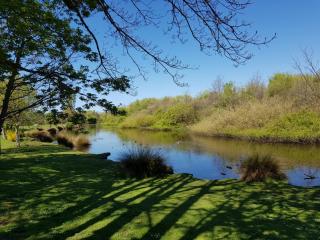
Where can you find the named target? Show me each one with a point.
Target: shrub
(92, 120)
(140, 120)
(296, 126)
(54, 117)
(178, 115)
(112, 120)
(69, 125)
(281, 83)
(65, 140)
(77, 118)
(41, 136)
(229, 95)
(251, 115)
(259, 168)
(52, 132)
(11, 135)
(141, 105)
(144, 162)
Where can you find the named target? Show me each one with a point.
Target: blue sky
(295, 22)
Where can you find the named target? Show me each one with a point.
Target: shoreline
(247, 138)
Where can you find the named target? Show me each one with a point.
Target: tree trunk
(6, 99)
(17, 136)
(3, 133)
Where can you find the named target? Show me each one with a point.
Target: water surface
(211, 158)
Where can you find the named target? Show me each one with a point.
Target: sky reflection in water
(211, 158)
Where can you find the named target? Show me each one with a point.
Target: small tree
(228, 97)
(255, 88)
(18, 100)
(92, 120)
(77, 118)
(54, 117)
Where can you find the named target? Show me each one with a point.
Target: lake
(210, 158)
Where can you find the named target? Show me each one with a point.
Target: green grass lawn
(49, 192)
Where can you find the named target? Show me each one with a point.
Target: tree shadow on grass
(55, 195)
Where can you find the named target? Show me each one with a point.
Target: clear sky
(296, 23)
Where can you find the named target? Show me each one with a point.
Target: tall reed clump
(142, 162)
(259, 168)
(52, 131)
(80, 142)
(41, 136)
(65, 140)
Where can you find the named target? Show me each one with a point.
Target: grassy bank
(300, 127)
(50, 192)
(285, 110)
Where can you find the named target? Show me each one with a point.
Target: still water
(211, 158)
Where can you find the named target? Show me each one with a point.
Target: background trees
(55, 117)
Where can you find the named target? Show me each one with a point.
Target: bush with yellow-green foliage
(109, 119)
(11, 135)
(140, 105)
(178, 115)
(281, 83)
(139, 120)
(174, 116)
(299, 89)
(301, 127)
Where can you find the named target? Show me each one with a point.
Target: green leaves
(44, 43)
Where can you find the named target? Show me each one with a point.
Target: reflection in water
(211, 158)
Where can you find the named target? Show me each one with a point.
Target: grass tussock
(81, 142)
(65, 140)
(259, 168)
(52, 131)
(42, 136)
(142, 162)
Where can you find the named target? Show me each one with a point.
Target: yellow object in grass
(11, 136)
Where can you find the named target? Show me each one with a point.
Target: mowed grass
(49, 192)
